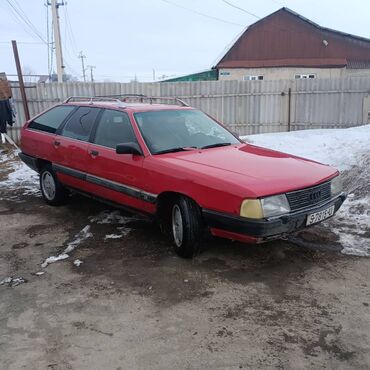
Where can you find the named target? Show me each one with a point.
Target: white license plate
(313, 218)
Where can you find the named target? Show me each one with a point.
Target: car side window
(52, 119)
(80, 124)
(114, 128)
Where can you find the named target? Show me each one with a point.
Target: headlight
(265, 207)
(336, 185)
(275, 205)
(251, 208)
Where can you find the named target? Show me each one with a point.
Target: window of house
(253, 78)
(304, 76)
(52, 119)
(80, 124)
(114, 128)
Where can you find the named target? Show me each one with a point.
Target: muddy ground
(133, 304)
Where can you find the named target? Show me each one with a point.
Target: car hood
(262, 171)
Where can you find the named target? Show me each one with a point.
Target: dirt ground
(133, 304)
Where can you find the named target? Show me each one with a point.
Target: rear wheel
(186, 227)
(52, 190)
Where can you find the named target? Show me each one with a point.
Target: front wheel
(52, 190)
(187, 227)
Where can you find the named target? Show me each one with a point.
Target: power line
(68, 34)
(70, 29)
(202, 14)
(21, 15)
(67, 51)
(70, 68)
(256, 16)
(23, 42)
(25, 17)
(242, 9)
(50, 47)
(21, 23)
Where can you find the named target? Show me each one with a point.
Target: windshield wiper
(173, 150)
(215, 145)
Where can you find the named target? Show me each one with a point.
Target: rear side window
(52, 119)
(114, 128)
(79, 125)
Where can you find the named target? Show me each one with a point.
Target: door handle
(94, 153)
(56, 143)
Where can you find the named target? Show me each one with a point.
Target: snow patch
(53, 259)
(12, 281)
(22, 177)
(352, 225)
(115, 218)
(78, 239)
(111, 217)
(341, 148)
(124, 231)
(113, 236)
(77, 262)
(349, 151)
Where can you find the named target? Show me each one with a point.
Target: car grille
(309, 196)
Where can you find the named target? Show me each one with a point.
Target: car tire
(53, 192)
(186, 226)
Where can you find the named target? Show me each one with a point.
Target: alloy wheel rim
(48, 185)
(177, 225)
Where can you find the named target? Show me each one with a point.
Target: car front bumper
(266, 229)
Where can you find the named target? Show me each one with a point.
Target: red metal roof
(292, 62)
(285, 38)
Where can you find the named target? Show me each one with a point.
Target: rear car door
(117, 177)
(39, 135)
(71, 144)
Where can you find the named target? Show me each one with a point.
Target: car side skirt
(121, 188)
(147, 215)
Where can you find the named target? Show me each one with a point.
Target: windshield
(172, 130)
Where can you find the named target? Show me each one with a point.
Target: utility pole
(82, 57)
(20, 80)
(91, 73)
(58, 44)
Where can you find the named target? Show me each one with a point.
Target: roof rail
(142, 97)
(91, 99)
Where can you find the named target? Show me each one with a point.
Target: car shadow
(144, 262)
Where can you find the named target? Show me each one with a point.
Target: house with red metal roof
(286, 45)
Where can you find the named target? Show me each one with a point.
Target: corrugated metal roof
(209, 75)
(285, 38)
(292, 62)
(358, 64)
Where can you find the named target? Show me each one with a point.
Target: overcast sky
(125, 38)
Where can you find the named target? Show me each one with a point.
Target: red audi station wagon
(179, 166)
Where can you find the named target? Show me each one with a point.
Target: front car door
(117, 177)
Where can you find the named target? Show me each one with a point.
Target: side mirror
(128, 148)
